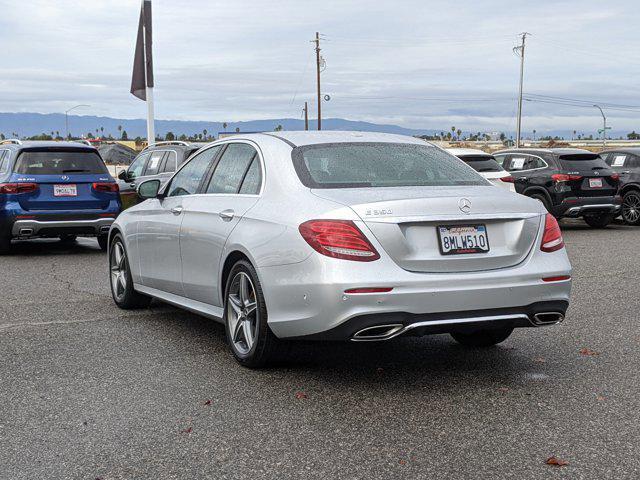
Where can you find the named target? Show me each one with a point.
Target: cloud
(421, 64)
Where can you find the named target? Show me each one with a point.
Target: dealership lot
(90, 391)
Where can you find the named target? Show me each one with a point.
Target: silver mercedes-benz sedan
(339, 236)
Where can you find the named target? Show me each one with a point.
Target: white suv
(486, 165)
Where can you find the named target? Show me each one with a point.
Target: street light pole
(519, 50)
(604, 126)
(66, 117)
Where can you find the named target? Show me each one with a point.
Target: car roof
(634, 150)
(554, 151)
(468, 151)
(29, 144)
(302, 138)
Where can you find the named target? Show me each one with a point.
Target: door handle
(176, 210)
(626, 172)
(227, 215)
(132, 185)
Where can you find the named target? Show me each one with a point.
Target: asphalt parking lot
(92, 392)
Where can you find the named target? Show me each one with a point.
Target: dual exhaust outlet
(388, 331)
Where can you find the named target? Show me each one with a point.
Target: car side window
(188, 179)
(633, 161)
(253, 178)
(153, 165)
(517, 163)
(617, 159)
(170, 162)
(4, 161)
(501, 159)
(137, 166)
(533, 162)
(231, 169)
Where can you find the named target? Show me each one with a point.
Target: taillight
(508, 179)
(615, 177)
(106, 187)
(563, 177)
(17, 188)
(552, 236)
(338, 239)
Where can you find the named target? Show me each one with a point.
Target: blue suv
(55, 189)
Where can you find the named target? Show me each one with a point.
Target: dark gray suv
(159, 160)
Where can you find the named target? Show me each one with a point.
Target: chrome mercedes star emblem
(65, 177)
(464, 205)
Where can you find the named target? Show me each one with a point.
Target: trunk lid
(67, 192)
(404, 220)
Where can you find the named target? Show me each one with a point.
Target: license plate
(65, 191)
(461, 239)
(595, 182)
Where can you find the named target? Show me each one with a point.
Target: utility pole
(520, 52)
(306, 116)
(317, 42)
(604, 126)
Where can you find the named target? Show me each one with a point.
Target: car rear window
(353, 165)
(482, 163)
(582, 161)
(59, 162)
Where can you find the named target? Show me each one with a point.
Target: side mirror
(123, 175)
(149, 189)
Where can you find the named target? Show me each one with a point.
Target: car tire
(542, 199)
(250, 339)
(103, 241)
(120, 278)
(68, 238)
(482, 338)
(599, 221)
(631, 207)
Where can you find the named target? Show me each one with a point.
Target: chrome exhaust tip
(105, 229)
(377, 333)
(547, 318)
(25, 232)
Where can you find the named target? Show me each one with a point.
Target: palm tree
(534, 134)
(459, 132)
(204, 132)
(574, 135)
(224, 125)
(237, 129)
(453, 131)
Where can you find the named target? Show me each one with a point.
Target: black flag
(143, 61)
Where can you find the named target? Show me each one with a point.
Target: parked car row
(325, 235)
(569, 182)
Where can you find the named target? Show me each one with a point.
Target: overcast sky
(415, 63)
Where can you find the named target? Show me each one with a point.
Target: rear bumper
(309, 299)
(40, 228)
(367, 328)
(580, 206)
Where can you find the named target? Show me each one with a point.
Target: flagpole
(151, 134)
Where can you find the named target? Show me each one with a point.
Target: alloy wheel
(631, 208)
(118, 261)
(242, 313)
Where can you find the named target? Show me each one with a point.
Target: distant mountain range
(30, 124)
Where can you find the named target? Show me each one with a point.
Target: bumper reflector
(369, 290)
(560, 278)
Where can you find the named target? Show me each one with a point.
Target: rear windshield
(482, 163)
(582, 161)
(52, 162)
(353, 165)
